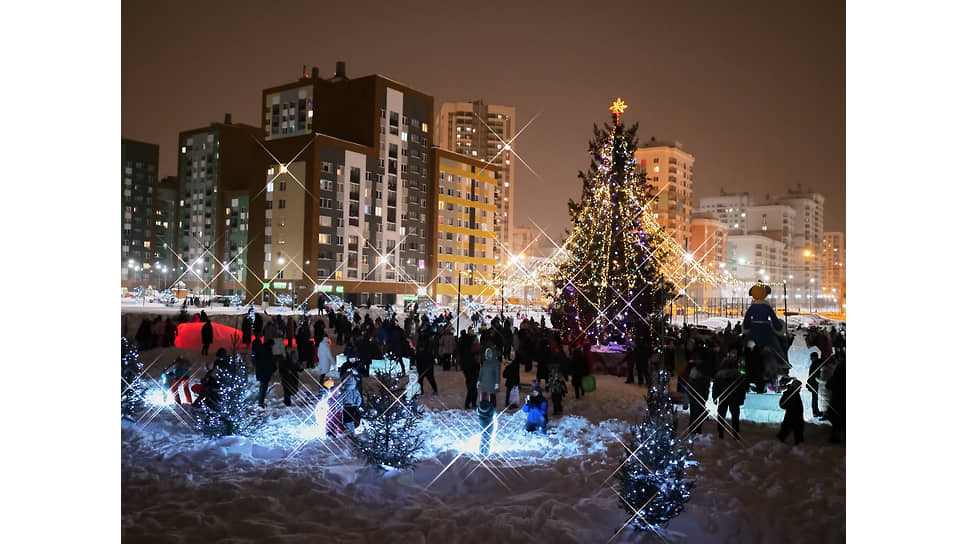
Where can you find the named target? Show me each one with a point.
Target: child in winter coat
(729, 391)
(177, 379)
(557, 386)
(352, 400)
(793, 418)
(537, 409)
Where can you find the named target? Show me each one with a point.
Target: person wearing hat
(537, 409)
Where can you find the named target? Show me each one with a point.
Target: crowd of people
(722, 366)
(725, 366)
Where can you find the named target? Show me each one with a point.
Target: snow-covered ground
(288, 484)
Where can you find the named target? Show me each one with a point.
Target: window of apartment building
(282, 204)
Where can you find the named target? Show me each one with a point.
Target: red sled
(180, 388)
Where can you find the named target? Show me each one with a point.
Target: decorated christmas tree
(610, 286)
(224, 407)
(390, 436)
(653, 484)
(132, 387)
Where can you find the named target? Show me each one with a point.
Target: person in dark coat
(470, 367)
(729, 392)
(813, 382)
(512, 379)
(838, 403)
(289, 372)
(753, 362)
(425, 363)
(246, 331)
(207, 334)
(143, 336)
(265, 367)
(319, 331)
(698, 375)
(543, 357)
(257, 326)
(304, 345)
(793, 408)
(579, 369)
(171, 332)
(290, 331)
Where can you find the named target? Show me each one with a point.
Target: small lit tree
(390, 437)
(653, 483)
(132, 386)
(227, 409)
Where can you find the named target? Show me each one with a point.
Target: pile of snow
(290, 482)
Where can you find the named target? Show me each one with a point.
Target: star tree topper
(618, 107)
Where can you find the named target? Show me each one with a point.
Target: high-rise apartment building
(668, 168)
(464, 226)
(774, 221)
(483, 131)
(220, 203)
(729, 208)
(349, 188)
(139, 171)
(165, 242)
(835, 268)
(754, 257)
(806, 246)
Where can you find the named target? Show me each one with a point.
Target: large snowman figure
(799, 356)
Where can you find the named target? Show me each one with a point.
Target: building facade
(806, 246)
(730, 209)
(483, 131)
(669, 168)
(709, 239)
(139, 173)
(464, 227)
(754, 257)
(349, 188)
(219, 175)
(835, 269)
(165, 243)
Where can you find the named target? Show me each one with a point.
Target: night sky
(754, 90)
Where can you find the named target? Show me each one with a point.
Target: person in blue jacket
(537, 409)
(761, 323)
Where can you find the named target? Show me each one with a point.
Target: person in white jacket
(327, 363)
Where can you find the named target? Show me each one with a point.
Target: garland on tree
(653, 483)
(133, 388)
(224, 407)
(611, 286)
(390, 437)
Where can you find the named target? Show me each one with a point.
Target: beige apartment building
(668, 168)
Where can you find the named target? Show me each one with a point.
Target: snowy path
(279, 487)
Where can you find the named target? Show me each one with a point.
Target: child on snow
(352, 400)
(557, 386)
(537, 409)
(793, 418)
(177, 378)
